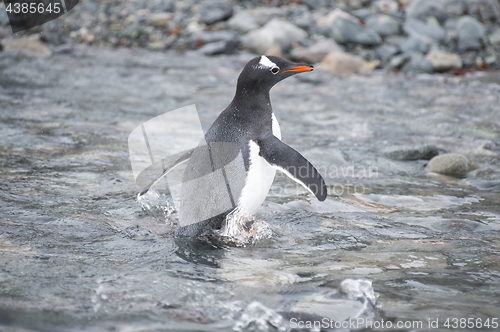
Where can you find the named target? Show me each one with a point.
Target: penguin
(230, 172)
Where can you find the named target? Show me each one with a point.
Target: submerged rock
(412, 153)
(451, 164)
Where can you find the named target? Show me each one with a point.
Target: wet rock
(385, 52)
(470, 33)
(243, 22)
(344, 63)
(451, 164)
(386, 6)
(159, 20)
(422, 9)
(417, 64)
(275, 32)
(384, 25)
(346, 31)
(414, 43)
(442, 60)
(411, 153)
(316, 52)
(416, 27)
(26, 46)
(215, 11)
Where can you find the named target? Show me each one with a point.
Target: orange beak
(300, 69)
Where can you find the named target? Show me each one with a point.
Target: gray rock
(215, 11)
(470, 33)
(243, 22)
(31, 47)
(207, 37)
(386, 6)
(362, 13)
(314, 4)
(220, 47)
(346, 31)
(412, 153)
(495, 37)
(422, 9)
(276, 32)
(385, 52)
(414, 43)
(417, 64)
(316, 52)
(398, 61)
(160, 20)
(451, 164)
(442, 60)
(384, 25)
(342, 63)
(416, 27)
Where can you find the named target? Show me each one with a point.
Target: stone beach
(414, 36)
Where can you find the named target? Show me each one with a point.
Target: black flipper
(176, 163)
(284, 158)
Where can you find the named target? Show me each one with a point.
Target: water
(392, 242)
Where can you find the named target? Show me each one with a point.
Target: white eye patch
(265, 62)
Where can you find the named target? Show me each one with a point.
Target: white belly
(259, 179)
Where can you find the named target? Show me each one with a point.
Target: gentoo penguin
(230, 173)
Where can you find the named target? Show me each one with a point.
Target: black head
(263, 72)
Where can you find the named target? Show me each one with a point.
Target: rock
(344, 63)
(470, 33)
(316, 52)
(495, 37)
(417, 64)
(422, 9)
(346, 31)
(442, 60)
(215, 11)
(414, 43)
(414, 27)
(384, 25)
(314, 4)
(275, 32)
(242, 22)
(386, 6)
(26, 46)
(304, 21)
(398, 61)
(362, 13)
(331, 17)
(411, 153)
(385, 52)
(160, 20)
(220, 47)
(206, 37)
(451, 164)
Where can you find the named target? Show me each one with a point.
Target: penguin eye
(275, 70)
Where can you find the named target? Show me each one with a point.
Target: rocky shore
(345, 36)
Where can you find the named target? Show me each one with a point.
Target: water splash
(240, 230)
(155, 203)
(258, 317)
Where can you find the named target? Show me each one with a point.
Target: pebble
(417, 64)
(342, 63)
(346, 31)
(414, 43)
(495, 37)
(416, 27)
(242, 22)
(451, 164)
(442, 60)
(422, 9)
(385, 52)
(386, 6)
(215, 11)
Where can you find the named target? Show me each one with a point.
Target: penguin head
(263, 72)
